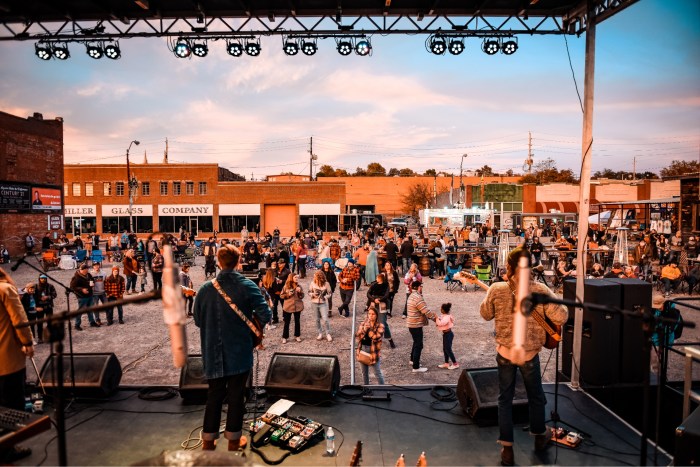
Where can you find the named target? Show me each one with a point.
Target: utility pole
(312, 158)
(529, 160)
(461, 183)
(634, 168)
(132, 184)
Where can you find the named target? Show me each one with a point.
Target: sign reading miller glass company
(80, 210)
(186, 210)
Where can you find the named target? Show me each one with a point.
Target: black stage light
(234, 49)
(112, 51)
(456, 46)
(344, 47)
(363, 47)
(60, 51)
(291, 47)
(43, 51)
(509, 46)
(95, 51)
(252, 48)
(490, 46)
(437, 45)
(200, 49)
(182, 48)
(309, 47)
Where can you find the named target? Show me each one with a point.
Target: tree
(375, 169)
(360, 172)
(407, 173)
(393, 172)
(326, 171)
(418, 196)
(485, 171)
(681, 168)
(341, 173)
(509, 173)
(622, 175)
(430, 173)
(546, 172)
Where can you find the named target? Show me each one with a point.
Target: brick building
(31, 175)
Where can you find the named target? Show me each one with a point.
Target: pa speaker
(193, 385)
(304, 378)
(97, 375)
(477, 392)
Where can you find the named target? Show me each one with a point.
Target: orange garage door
(281, 216)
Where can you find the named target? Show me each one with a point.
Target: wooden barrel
(424, 266)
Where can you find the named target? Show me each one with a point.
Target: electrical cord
(352, 391)
(157, 393)
(409, 413)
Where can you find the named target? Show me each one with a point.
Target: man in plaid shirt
(115, 286)
(347, 279)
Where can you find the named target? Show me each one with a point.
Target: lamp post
(461, 184)
(132, 184)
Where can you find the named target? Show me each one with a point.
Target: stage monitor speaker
(636, 294)
(193, 385)
(477, 392)
(688, 440)
(97, 375)
(600, 351)
(304, 378)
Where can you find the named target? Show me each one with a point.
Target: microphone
(18, 263)
(174, 310)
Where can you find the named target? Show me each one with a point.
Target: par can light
(234, 49)
(112, 51)
(363, 48)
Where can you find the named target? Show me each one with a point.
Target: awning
(561, 206)
(602, 218)
(239, 209)
(319, 209)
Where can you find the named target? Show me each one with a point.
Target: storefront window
(80, 225)
(236, 223)
(189, 223)
(327, 223)
(115, 224)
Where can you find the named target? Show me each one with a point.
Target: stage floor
(126, 430)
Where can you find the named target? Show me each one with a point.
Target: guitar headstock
(356, 454)
(471, 278)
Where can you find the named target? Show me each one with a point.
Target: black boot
(391, 343)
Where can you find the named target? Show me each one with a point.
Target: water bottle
(330, 441)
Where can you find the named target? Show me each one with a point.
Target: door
(282, 217)
(193, 225)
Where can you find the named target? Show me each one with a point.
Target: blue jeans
(321, 310)
(382, 319)
(405, 264)
(377, 369)
(447, 338)
(84, 303)
(506, 391)
(417, 348)
(110, 312)
(96, 299)
(131, 282)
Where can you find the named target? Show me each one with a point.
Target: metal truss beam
(482, 22)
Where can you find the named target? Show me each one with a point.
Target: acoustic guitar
(468, 278)
(187, 292)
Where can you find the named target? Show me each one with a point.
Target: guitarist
(227, 346)
(499, 304)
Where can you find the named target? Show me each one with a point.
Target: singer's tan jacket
(500, 303)
(12, 359)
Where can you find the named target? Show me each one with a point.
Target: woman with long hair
(332, 281)
(293, 305)
(319, 289)
(369, 339)
(392, 278)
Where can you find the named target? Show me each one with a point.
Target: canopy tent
(601, 218)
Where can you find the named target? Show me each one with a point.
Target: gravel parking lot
(142, 346)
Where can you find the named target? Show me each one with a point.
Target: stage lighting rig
(112, 51)
(182, 48)
(43, 51)
(456, 45)
(344, 46)
(509, 46)
(363, 47)
(437, 44)
(309, 47)
(200, 49)
(291, 46)
(252, 47)
(94, 50)
(60, 51)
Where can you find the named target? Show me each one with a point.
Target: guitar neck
(466, 278)
(356, 455)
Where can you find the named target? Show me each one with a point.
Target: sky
(402, 107)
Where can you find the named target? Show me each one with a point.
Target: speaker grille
(303, 377)
(96, 375)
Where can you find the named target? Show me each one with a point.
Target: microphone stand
(649, 323)
(56, 324)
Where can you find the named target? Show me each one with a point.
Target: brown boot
(507, 456)
(208, 445)
(542, 440)
(237, 444)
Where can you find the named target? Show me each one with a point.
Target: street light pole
(132, 184)
(461, 184)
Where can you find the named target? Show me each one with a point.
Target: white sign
(78, 210)
(110, 210)
(186, 210)
(319, 209)
(55, 222)
(239, 209)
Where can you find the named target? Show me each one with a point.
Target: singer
(15, 347)
(227, 346)
(500, 304)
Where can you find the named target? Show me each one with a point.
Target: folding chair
(483, 273)
(96, 256)
(80, 256)
(453, 284)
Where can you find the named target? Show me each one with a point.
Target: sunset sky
(402, 107)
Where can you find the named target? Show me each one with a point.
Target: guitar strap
(233, 306)
(540, 318)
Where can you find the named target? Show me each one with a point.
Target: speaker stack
(612, 345)
(97, 375)
(477, 392)
(313, 379)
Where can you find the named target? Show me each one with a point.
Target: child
(445, 322)
(143, 278)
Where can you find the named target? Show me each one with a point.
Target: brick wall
(31, 151)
